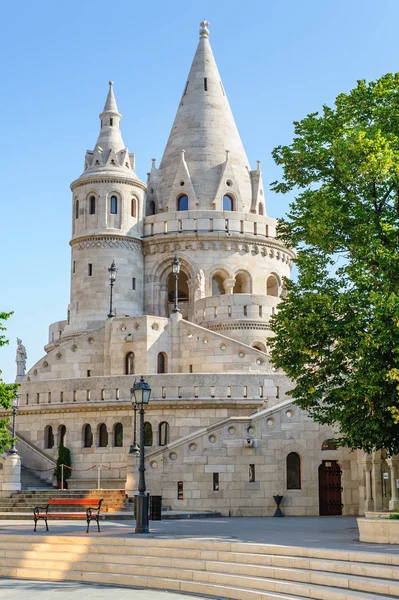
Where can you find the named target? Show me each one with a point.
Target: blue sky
(279, 60)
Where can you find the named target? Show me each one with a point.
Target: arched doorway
(330, 490)
(183, 293)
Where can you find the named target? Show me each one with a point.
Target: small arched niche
(242, 283)
(261, 209)
(218, 285)
(61, 435)
(228, 203)
(150, 208)
(259, 346)
(147, 434)
(87, 436)
(129, 363)
(162, 363)
(272, 286)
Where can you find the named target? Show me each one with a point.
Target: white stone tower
(206, 205)
(107, 213)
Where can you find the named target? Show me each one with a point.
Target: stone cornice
(106, 239)
(100, 406)
(107, 178)
(210, 241)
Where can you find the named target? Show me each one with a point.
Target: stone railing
(234, 307)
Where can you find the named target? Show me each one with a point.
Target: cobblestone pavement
(12, 589)
(334, 533)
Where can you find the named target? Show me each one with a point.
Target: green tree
(7, 391)
(64, 458)
(337, 332)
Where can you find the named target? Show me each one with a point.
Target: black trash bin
(156, 508)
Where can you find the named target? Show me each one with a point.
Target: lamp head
(141, 391)
(176, 265)
(112, 271)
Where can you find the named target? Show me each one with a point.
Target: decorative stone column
(228, 285)
(10, 480)
(368, 502)
(394, 501)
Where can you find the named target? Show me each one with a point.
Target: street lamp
(176, 271)
(15, 404)
(142, 392)
(112, 276)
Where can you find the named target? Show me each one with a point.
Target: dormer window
(182, 202)
(228, 203)
(114, 205)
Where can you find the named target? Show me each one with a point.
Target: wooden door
(330, 489)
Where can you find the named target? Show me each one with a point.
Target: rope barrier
(73, 469)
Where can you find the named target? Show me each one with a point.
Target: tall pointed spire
(204, 126)
(110, 152)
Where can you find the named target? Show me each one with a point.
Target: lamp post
(176, 271)
(15, 404)
(112, 276)
(142, 392)
(134, 448)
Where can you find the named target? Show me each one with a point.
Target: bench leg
(98, 524)
(46, 524)
(35, 524)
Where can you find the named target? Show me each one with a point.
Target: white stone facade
(223, 429)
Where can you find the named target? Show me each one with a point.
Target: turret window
(228, 203)
(260, 208)
(182, 203)
(92, 205)
(133, 208)
(114, 205)
(77, 209)
(111, 122)
(206, 84)
(90, 269)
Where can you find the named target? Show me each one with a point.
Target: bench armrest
(37, 509)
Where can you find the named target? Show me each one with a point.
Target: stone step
(223, 573)
(209, 583)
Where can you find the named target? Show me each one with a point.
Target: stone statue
(200, 283)
(20, 360)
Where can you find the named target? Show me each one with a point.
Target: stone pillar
(376, 484)
(11, 474)
(174, 359)
(394, 501)
(228, 285)
(132, 463)
(368, 503)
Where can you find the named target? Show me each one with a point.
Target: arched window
(87, 436)
(217, 286)
(182, 203)
(118, 435)
(183, 290)
(161, 363)
(260, 208)
(329, 445)
(92, 205)
(61, 435)
(147, 434)
(48, 437)
(151, 208)
(133, 208)
(113, 205)
(102, 436)
(129, 363)
(272, 286)
(163, 433)
(228, 203)
(77, 209)
(242, 283)
(293, 471)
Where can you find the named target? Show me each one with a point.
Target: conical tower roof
(205, 129)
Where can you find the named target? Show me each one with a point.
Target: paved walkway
(335, 533)
(12, 589)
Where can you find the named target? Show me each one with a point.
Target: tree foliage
(7, 391)
(64, 458)
(337, 332)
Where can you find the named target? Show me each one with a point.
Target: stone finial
(153, 161)
(204, 31)
(110, 83)
(258, 165)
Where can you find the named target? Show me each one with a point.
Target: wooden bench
(92, 512)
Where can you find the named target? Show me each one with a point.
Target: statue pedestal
(10, 474)
(131, 475)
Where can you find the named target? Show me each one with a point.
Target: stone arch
(61, 435)
(259, 346)
(293, 471)
(243, 282)
(273, 285)
(158, 302)
(218, 280)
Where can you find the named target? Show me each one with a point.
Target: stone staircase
(236, 570)
(25, 500)
(30, 481)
